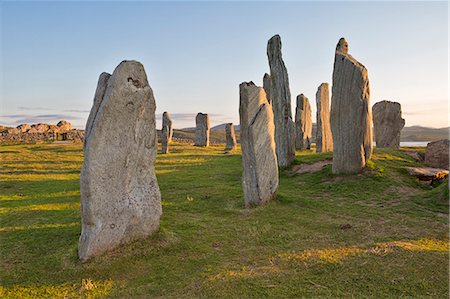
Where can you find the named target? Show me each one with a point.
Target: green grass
(380, 234)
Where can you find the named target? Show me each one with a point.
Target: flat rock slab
(428, 173)
(314, 167)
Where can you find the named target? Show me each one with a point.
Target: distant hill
(418, 133)
(413, 133)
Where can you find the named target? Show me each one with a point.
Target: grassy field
(380, 234)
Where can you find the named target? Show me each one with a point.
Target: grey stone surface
(281, 103)
(202, 129)
(166, 132)
(324, 139)
(436, 154)
(351, 118)
(266, 86)
(303, 123)
(230, 137)
(387, 124)
(259, 160)
(120, 197)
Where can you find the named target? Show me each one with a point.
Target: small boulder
(436, 154)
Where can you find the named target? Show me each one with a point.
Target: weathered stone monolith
(436, 154)
(280, 96)
(259, 160)
(350, 113)
(387, 124)
(120, 197)
(230, 137)
(166, 132)
(324, 139)
(202, 129)
(303, 123)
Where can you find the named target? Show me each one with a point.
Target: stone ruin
(202, 129)
(280, 98)
(351, 119)
(324, 139)
(303, 123)
(42, 132)
(166, 132)
(387, 124)
(230, 137)
(120, 197)
(259, 160)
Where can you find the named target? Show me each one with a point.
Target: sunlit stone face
(342, 46)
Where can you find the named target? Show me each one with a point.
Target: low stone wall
(73, 135)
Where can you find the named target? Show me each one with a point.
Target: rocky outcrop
(166, 132)
(350, 113)
(64, 126)
(202, 129)
(120, 197)
(324, 139)
(259, 160)
(23, 128)
(230, 137)
(40, 128)
(436, 154)
(303, 123)
(387, 124)
(280, 96)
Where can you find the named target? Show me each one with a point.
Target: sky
(197, 53)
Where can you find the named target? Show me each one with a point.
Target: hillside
(380, 233)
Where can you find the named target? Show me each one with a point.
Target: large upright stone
(230, 137)
(280, 96)
(202, 129)
(120, 197)
(303, 123)
(350, 113)
(387, 124)
(259, 160)
(324, 139)
(166, 132)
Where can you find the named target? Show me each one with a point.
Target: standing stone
(350, 113)
(202, 129)
(387, 124)
(436, 154)
(303, 123)
(230, 137)
(120, 197)
(266, 86)
(280, 96)
(259, 160)
(166, 132)
(324, 139)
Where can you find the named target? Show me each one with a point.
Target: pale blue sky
(197, 53)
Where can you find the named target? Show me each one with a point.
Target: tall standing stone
(350, 113)
(166, 132)
(280, 96)
(259, 160)
(387, 124)
(120, 197)
(202, 129)
(303, 123)
(230, 137)
(324, 139)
